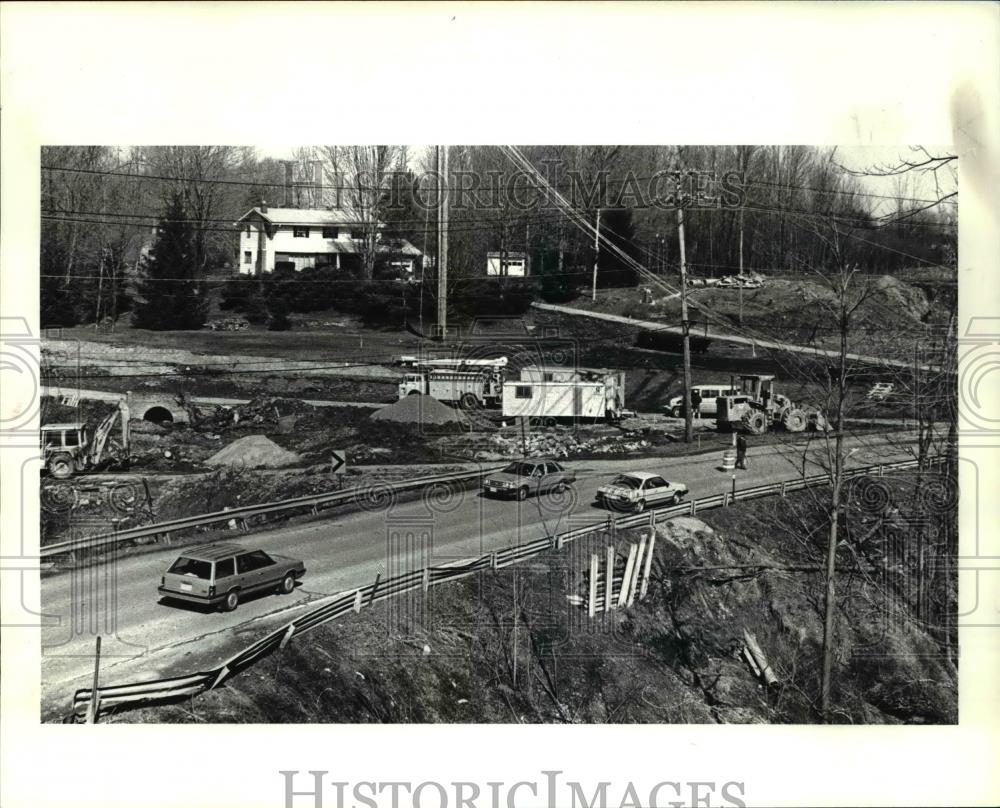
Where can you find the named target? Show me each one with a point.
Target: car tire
(639, 507)
(287, 585)
(559, 488)
(676, 498)
(677, 412)
(522, 493)
(231, 601)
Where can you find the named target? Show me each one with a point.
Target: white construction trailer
(584, 393)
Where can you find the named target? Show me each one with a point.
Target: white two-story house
(306, 237)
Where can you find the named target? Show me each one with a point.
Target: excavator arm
(103, 431)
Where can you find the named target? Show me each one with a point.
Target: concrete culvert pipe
(158, 415)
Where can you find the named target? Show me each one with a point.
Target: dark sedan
(531, 476)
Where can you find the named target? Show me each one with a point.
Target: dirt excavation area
(799, 309)
(729, 631)
(87, 363)
(277, 448)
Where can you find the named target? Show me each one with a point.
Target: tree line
(103, 209)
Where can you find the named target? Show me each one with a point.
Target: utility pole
(527, 251)
(261, 248)
(597, 252)
(741, 267)
(686, 328)
(442, 273)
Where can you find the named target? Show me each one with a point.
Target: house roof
(61, 427)
(353, 246)
(399, 246)
(305, 216)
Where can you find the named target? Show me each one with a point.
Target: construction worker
(741, 452)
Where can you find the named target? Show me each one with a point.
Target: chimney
(318, 184)
(263, 206)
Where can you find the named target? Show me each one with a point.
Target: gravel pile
(425, 410)
(254, 452)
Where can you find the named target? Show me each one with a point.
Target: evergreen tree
(612, 269)
(173, 295)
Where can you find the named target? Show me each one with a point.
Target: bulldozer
(757, 407)
(69, 449)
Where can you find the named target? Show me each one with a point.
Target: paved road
(343, 552)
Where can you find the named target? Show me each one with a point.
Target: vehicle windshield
(624, 481)
(192, 567)
(520, 469)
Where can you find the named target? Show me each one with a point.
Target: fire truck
(469, 383)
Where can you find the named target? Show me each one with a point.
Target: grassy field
(313, 344)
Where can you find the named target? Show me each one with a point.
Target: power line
(355, 187)
(581, 222)
(153, 221)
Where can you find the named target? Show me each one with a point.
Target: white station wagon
(639, 490)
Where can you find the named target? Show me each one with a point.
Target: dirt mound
(425, 410)
(253, 452)
(899, 296)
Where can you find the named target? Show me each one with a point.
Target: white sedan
(639, 490)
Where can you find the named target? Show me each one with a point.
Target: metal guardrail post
(156, 689)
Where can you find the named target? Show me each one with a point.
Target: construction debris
(755, 658)
(556, 444)
(253, 452)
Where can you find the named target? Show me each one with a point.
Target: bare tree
(202, 176)
(365, 175)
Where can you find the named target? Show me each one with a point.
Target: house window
(329, 232)
(247, 257)
(522, 391)
(358, 234)
(300, 232)
(548, 377)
